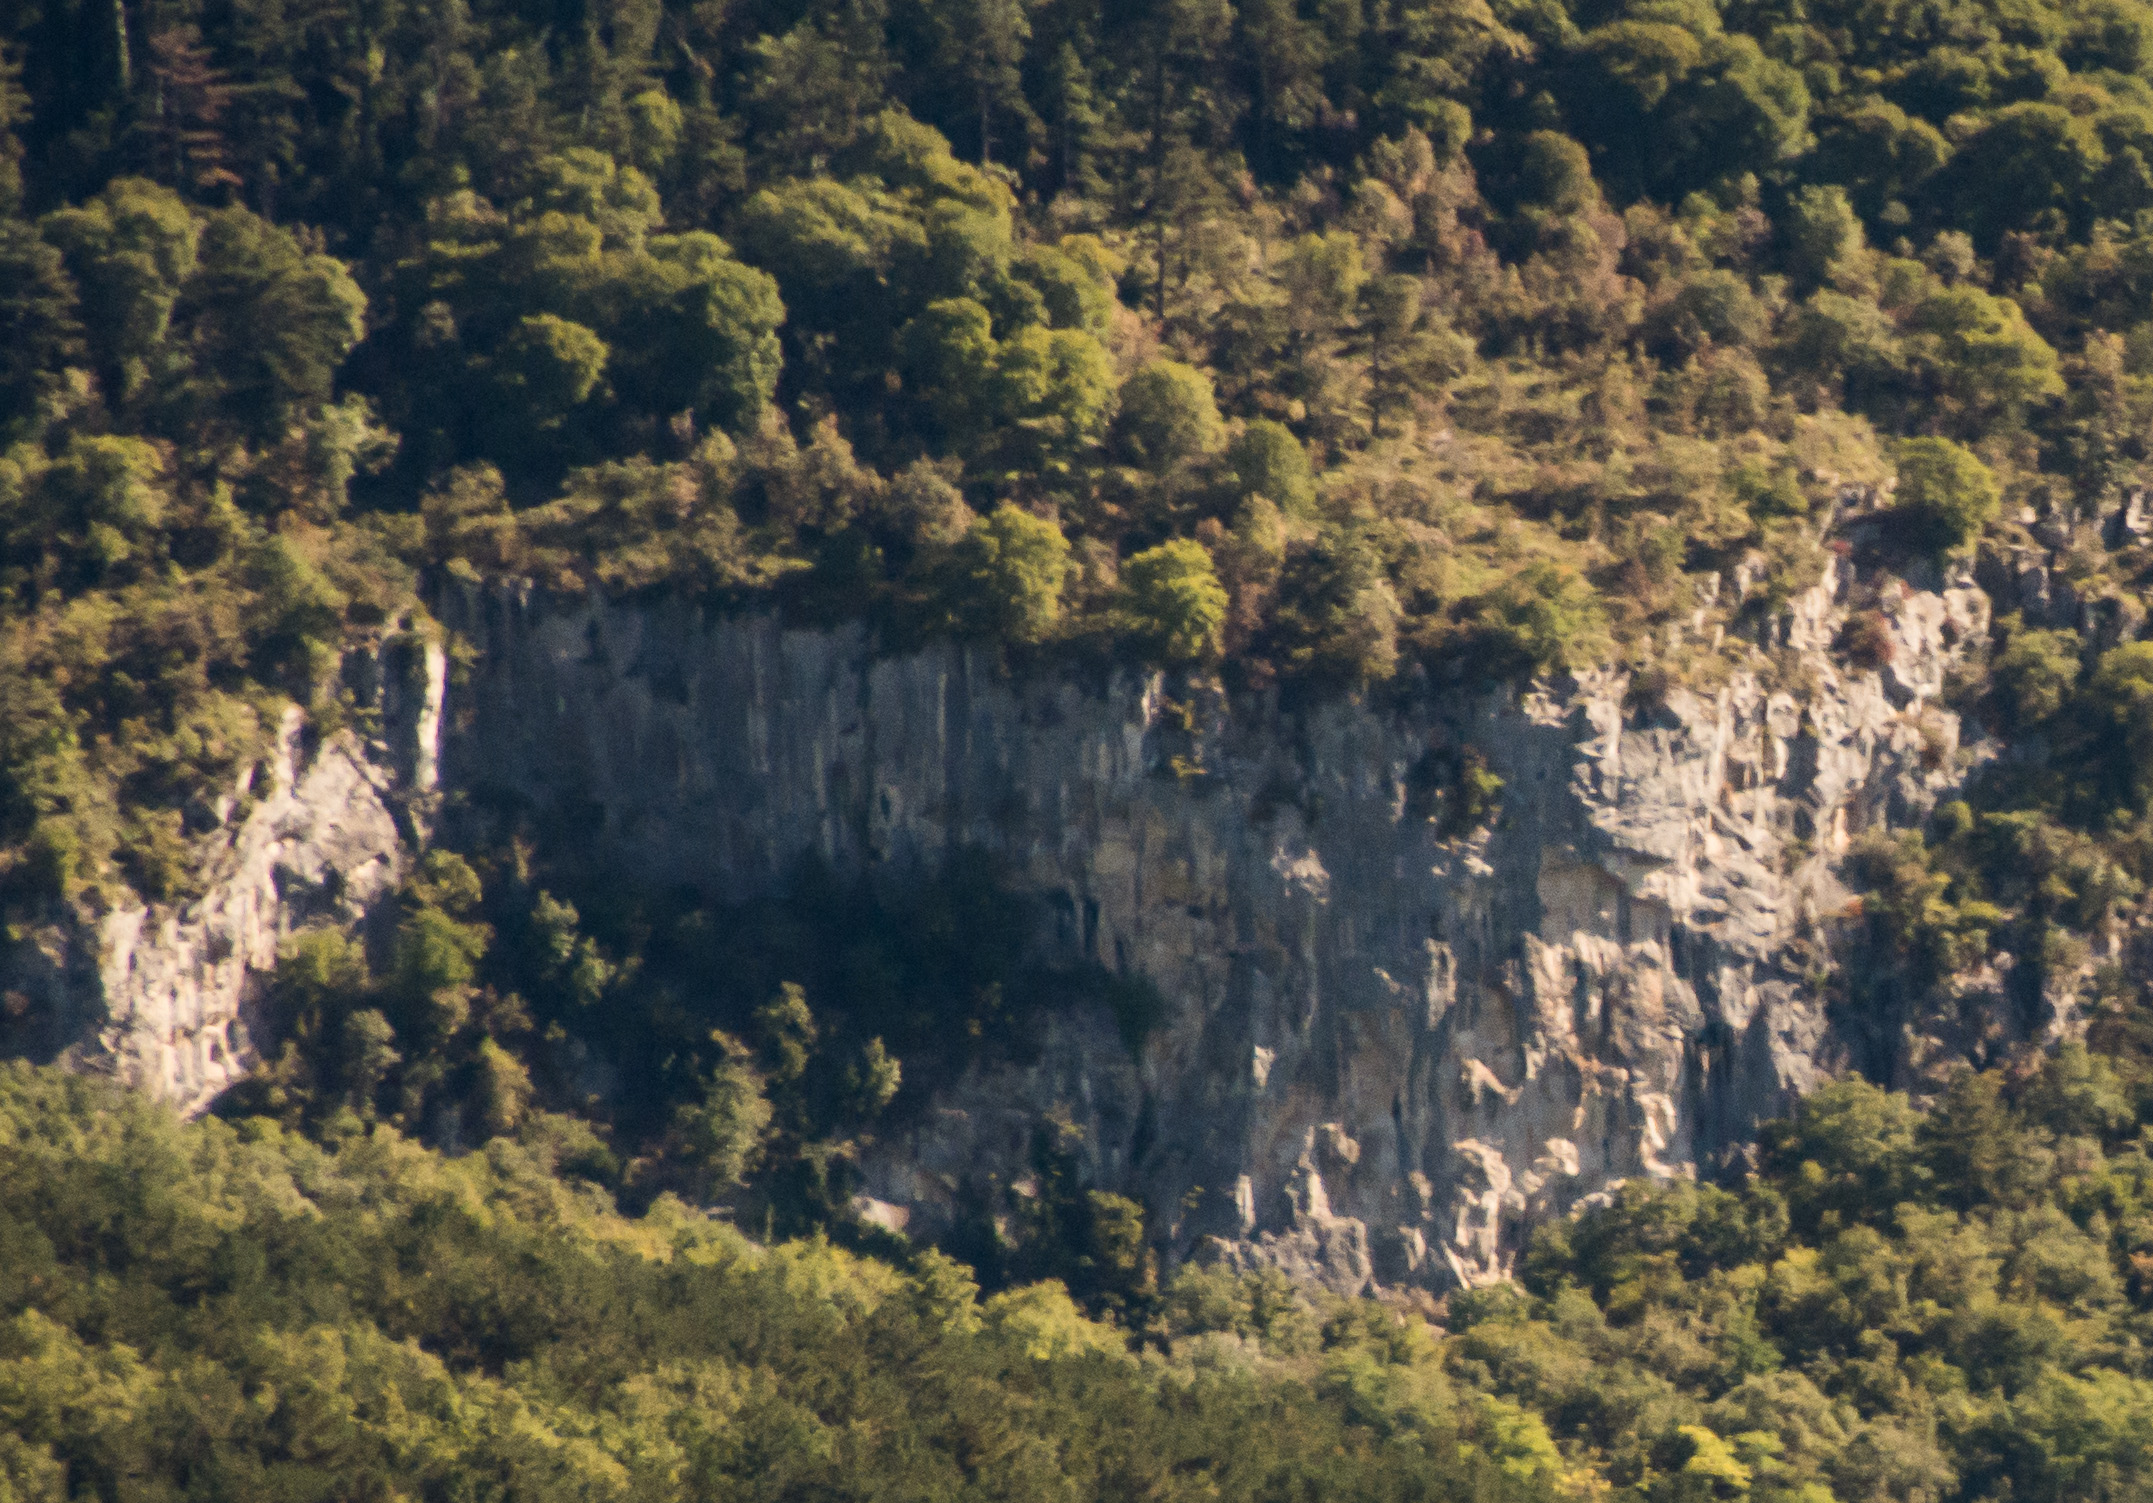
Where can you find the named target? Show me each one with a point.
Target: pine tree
(987, 47)
(14, 110)
(1077, 122)
(189, 98)
(1284, 58)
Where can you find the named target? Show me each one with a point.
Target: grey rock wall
(160, 996)
(1387, 1049)
(1389, 1045)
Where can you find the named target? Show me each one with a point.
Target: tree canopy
(1531, 329)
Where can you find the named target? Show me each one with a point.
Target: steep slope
(1387, 1043)
(158, 994)
(1396, 1021)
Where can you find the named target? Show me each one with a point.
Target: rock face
(1398, 1027)
(1404, 1014)
(160, 996)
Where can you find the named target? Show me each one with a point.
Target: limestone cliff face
(1392, 1037)
(1398, 1025)
(159, 996)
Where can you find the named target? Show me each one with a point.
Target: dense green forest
(1338, 343)
(1898, 1306)
(1330, 346)
(211, 1312)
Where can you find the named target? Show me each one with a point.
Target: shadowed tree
(185, 115)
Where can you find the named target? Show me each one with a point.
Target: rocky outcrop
(160, 995)
(1403, 1015)
(1393, 1037)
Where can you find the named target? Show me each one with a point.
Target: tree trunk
(1158, 177)
(119, 33)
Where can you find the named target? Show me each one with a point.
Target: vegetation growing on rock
(1334, 347)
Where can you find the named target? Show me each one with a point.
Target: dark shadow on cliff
(740, 1053)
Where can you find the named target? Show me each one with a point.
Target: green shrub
(1555, 174)
(1337, 616)
(1946, 490)
(1169, 417)
(1172, 602)
(720, 1135)
(1823, 232)
(1008, 573)
(2119, 696)
(1924, 914)
(2035, 675)
(1544, 616)
(1268, 461)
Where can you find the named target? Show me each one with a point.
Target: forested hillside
(1899, 1306)
(1331, 347)
(1335, 344)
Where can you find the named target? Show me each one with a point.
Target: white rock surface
(159, 996)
